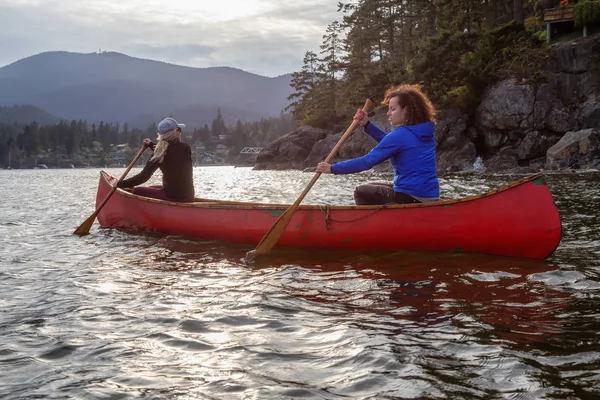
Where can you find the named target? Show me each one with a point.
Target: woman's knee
(154, 192)
(361, 195)
(371, 194)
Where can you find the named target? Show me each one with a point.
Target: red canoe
(518, 220)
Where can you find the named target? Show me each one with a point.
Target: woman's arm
(389, 146)
(374, 131)
(140, 178)
(371, 129)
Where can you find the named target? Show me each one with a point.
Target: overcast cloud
(266, 37)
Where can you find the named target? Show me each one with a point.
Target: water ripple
(123, 315)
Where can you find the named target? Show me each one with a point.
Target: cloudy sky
(266, 37)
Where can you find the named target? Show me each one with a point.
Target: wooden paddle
(84, 228)
(272, 236)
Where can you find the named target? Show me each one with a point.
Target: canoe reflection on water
(493, 298)
(508, 295)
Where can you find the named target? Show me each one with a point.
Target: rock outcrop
(518, 126)
(290, 151)
(454, 142)
(576, 150)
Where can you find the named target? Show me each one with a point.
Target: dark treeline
(453, 48)
(81, 143)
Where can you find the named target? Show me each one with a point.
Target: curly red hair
(411, 97)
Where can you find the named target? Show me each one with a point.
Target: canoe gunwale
(228, 204)
(517, 220)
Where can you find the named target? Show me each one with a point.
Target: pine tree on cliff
(303, 83)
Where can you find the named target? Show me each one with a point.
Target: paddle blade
(250, 256)
(84, 228)
(272, 237)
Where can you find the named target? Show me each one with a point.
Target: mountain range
(24, 114)
(114, 87)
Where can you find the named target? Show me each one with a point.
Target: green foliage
(453, 48)
(444, 63)
(586, 12)
(460, 97)
(522, 55)
(535, 22)
(455, 67)
(540, 35)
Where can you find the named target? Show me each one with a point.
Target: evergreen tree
(332, 49)
(240, 139)
(303, 83)
(72, 138)
(218, 125)
(94, 137)
(125, 133)
(28, 140)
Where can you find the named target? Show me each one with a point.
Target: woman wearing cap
(174, 159)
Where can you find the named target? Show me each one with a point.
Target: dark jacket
(411, 149)
(177, 172)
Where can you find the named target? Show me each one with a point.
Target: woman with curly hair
(410, 147)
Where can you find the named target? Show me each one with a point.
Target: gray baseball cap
(168, 124)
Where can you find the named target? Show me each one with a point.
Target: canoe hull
(519, 220)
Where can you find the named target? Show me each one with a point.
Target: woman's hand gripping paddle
(272, 236)
(84, 228)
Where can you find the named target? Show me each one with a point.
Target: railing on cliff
(564, 11)
(251, 150)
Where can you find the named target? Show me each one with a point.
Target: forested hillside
(24, 114)
(453, 48)
(82, 143)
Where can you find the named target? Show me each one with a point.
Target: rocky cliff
(519, 126)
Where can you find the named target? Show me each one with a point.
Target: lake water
(117, 315)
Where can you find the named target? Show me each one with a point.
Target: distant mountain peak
(116, 87)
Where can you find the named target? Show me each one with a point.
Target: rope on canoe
(327, 208)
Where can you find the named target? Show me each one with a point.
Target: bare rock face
(289, 151)
(528, 147)
(573, 69)
(510, 111)
(549, 113)
(579, 149)
(506, 106)
(529, 118)
(589, 114)
(504, 160)
(454, 149)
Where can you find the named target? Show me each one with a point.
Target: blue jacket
(411, 150)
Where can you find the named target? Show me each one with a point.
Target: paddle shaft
(84, 228)
(272, 236)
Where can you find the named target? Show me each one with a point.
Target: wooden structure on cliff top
(559, 14)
